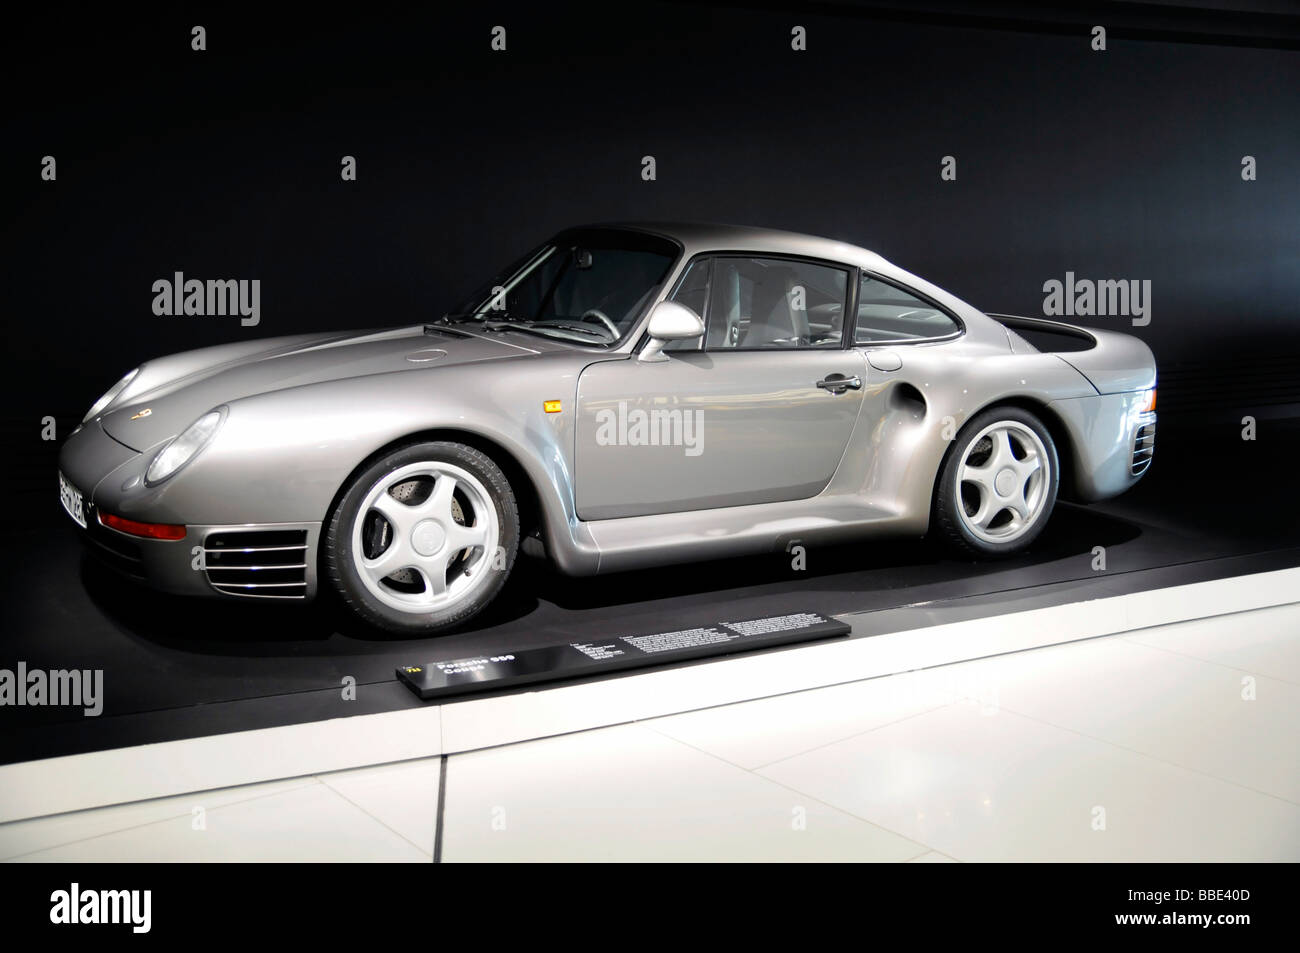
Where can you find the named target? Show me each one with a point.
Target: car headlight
(181, 450)
(109, 396)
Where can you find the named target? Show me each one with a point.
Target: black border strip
(1156, 22)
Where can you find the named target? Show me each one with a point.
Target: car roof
(701, 237)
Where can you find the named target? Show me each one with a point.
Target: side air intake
(265, 563)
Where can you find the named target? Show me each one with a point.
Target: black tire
(947, 521)
(340, 565)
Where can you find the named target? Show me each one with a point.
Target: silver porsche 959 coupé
(622, 396)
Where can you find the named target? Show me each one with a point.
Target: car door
(758, 411)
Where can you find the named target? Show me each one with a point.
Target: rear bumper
(1112, 442)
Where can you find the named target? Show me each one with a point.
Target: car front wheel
(998, 484)
(423, 538)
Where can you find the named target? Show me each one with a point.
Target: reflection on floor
(1171, 743)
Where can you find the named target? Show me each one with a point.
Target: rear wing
(1114, 363)
(1048, 336)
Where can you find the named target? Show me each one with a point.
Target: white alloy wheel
(1003, 482)
(424, 537)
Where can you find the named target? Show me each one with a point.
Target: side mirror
(669, 321)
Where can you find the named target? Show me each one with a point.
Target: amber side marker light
(1151, 402)
(551, 406)
(146, 530)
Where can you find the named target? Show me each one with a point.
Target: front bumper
(242, 560)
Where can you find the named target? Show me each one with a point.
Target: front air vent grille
(1144, 445)
(267, 563)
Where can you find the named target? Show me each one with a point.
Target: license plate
(70, 497)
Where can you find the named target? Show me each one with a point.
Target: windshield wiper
(482, 317)
(582, 330)
(553, 331)
(444, 329)
(503, 321)
(460, 317)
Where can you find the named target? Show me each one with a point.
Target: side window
(774, 303)
(888, 313)
(693, 292)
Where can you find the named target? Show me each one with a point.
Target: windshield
(588, 286)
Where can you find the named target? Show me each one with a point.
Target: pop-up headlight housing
(182, 449)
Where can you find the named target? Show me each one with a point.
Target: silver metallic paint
(788, 460)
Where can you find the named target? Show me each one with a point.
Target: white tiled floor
(1175, 743)
(304, 822)
(607, 795)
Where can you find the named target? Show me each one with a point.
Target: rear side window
(888, 313)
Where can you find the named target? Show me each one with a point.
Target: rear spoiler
(1018, 323)
(1114, 363)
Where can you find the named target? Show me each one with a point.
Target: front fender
(284, 456)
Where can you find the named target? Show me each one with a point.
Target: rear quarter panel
(912, 416)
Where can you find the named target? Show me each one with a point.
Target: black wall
(225, 164)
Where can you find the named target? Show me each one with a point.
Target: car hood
(170, 393)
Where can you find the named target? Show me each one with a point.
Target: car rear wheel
(997, 486)
(423, 538)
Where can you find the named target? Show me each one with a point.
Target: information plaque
(579, 659)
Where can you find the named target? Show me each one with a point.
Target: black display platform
(180, 668)
(442, 678)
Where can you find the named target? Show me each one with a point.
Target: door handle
(838, 383)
